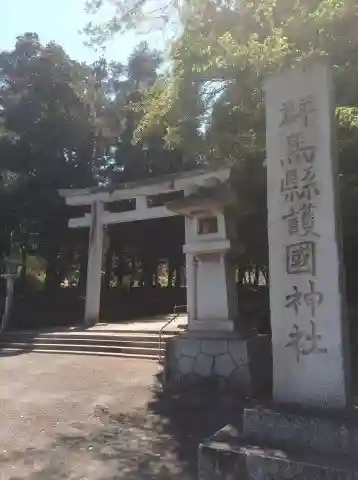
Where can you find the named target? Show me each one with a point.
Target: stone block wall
(242, 365)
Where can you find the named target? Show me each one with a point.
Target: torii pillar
(94, 269)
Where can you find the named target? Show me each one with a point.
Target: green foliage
(218, 62)
(237, 44)
(65, 124)
(138, 160)
(52, 137)
(142, 15)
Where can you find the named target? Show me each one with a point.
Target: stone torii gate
(217, 345)
(139, 192)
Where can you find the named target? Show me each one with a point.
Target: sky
(61, 20)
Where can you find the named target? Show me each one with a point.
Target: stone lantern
(218, 345)
(211, 242)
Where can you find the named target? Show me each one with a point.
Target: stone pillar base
(284, 444)
(221, 357)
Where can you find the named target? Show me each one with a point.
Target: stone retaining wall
(243, 365)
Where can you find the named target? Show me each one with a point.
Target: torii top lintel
(140, 191)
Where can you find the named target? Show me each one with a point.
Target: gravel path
(93, 418)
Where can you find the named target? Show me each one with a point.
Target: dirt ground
(94, 418)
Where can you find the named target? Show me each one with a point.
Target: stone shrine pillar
(309, 337)
(309, 432)
(217, 345)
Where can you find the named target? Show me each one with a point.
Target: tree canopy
(225, 50)
(66, 124)
(216, 64)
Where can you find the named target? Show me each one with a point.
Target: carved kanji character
(289, 112)
(308, 220)
(306, 108)
(309, 188)
(308, 154)
(314, 338)
(293, 222)
(294, 144)
(301, 258)
(313, 298)
(289, 184)
(294, 299)
(298, 338)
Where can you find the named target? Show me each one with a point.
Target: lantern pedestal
(222, 359)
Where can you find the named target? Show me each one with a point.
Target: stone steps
(290, 442)
(104, 340)
(123, 343)
(15, 351)
(230, 455)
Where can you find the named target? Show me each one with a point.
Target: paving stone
(95, 418)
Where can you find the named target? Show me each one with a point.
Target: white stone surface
(309, 348)
(214, 325)
(192, 235)
(212, 296)
(112, 218)
(186, 181)
(217, 302)
(190, 287)
(94, 269)
(206, 248)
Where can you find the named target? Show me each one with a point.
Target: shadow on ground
(9, 349)
(159, 442)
